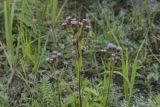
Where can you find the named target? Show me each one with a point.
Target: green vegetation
(79, 53)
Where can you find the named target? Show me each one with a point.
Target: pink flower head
(65, 63)
(117, 58)
(54, 52)
(74, 22)
(73, 19)
(111, 46)
(54, 56)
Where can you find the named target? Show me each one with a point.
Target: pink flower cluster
(116, 57)
(55, 55)
(114, 47)
(111, 46)
(71, 20)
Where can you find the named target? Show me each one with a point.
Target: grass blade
(134, 69)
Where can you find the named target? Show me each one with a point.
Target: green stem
(79, 76)
(80, 98)
(110, 79)
(58, 90)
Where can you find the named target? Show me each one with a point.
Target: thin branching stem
(79, 74)
(110, 79)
